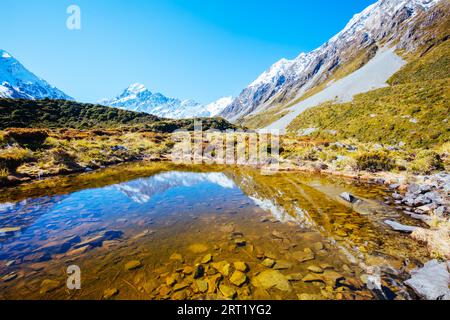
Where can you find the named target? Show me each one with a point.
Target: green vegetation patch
(414, 113)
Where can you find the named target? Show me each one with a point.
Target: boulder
(431, 281)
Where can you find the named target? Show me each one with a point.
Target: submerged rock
(431, 281)
(9, 277)
(348, 197)
(241, 266)
(295, 277)
(180, 286)
(223, 267)
(272, 279)
(311, 277)
(269, 263)
(133, 265)
(176, 257)
(282, 265)
(199, 271)
(238, 278)
(240, 242)
(202, 285)
(109, 293)
(310, 297)
(228, 292)
(207, 259)
(315, 269)
(400, 227)
(49, 285)
(198, 248)
(305, 255)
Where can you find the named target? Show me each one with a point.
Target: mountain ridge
(17, 82)
(380, 24)
(138, 98)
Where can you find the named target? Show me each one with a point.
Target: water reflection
(143, 190)
(234, 214)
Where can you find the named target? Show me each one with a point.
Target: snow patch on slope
(371, 76)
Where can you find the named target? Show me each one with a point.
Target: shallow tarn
(160, 231)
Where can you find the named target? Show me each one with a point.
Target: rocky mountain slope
(138, 98)
(383, 25)
(18, 83)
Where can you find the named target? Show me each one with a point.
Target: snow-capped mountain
(143, 190)
(138, 98)
(384, 23)
(216, 107)
(18, 83)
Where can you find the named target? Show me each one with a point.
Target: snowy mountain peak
(137, 98)
(287, 80)
(4, 54)
(218, 106)
(136, 88)
(275, 70)
(18, 83)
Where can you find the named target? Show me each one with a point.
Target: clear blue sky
(199, 49)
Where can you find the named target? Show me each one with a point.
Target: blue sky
(199, 49)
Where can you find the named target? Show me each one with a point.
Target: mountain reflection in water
(144, 212)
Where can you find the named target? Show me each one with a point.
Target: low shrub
(374, 161)
(425, 162)
(12, 158)
(62, 157)
(28, 138)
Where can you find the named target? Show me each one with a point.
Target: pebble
(188, 270)
(171, 280)
(315, 269)
(213, 282)
(176, 257)
(180, 286)
(295, 277)
(312, 278)
(318, 246)
(207, 259)
(238, 278)
(282, 265)
(269, 263)
(305, 255)
(202, 285)
(9, 277)
(309, 297)
(272, 279)
(109, 293)
(198, 248)
(240, 242)
(180, 295)
(278, 235)
(199, 271)
(133, 265)
(223, 267)
(49, 285)
(241, 266)
(228, 292)
(341, 233)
